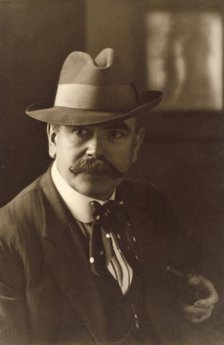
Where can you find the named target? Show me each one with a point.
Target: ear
(51, 134)
(138, 141)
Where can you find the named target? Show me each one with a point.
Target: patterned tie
(110, 220)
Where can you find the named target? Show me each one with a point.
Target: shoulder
(140, 190)
(21, 213)
(22, 201)
(147, 205)
(144, 196)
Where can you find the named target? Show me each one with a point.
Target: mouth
(95, 175)
(95, 168)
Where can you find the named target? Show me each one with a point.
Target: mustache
(95, 167)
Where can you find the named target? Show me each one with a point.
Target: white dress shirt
(78, 205)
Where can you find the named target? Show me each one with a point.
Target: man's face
(94, 159)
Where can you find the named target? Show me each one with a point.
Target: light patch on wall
(184, 59)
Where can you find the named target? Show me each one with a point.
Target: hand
(207, 297)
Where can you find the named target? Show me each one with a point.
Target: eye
(117, 134)
(81, 131)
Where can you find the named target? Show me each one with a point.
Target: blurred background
(172, 45)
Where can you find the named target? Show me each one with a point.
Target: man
(85, 255)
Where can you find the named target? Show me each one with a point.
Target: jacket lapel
(66, 259)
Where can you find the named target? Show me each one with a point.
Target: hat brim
(80, 117)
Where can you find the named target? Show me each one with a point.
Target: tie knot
(110, 209)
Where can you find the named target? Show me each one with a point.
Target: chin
(99, 187)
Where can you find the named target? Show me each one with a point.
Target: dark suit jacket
(48, 294)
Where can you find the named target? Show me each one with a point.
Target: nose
(95, 147)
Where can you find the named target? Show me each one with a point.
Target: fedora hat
(94, 91)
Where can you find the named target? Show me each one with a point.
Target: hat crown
(92, 91)
(81, 68)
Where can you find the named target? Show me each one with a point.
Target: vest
(126, 319)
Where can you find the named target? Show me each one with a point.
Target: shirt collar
(77, 203)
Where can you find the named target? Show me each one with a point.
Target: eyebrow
(116, 125)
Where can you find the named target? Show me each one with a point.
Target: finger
(199, 281)
(194, 279)
(196, 320)
(207, 302)
(194, 312)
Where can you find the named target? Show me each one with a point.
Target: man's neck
(77, 203)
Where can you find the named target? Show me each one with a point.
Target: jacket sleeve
(13, 315)
(185, 254)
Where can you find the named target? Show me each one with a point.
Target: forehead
(128, 124)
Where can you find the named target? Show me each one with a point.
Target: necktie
(110, 220)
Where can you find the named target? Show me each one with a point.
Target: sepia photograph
(111, 172)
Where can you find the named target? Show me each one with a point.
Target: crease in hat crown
(94, 91)
(81, 68)
(100, 84)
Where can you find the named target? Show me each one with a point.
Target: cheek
(65, 153)
(123, 156)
